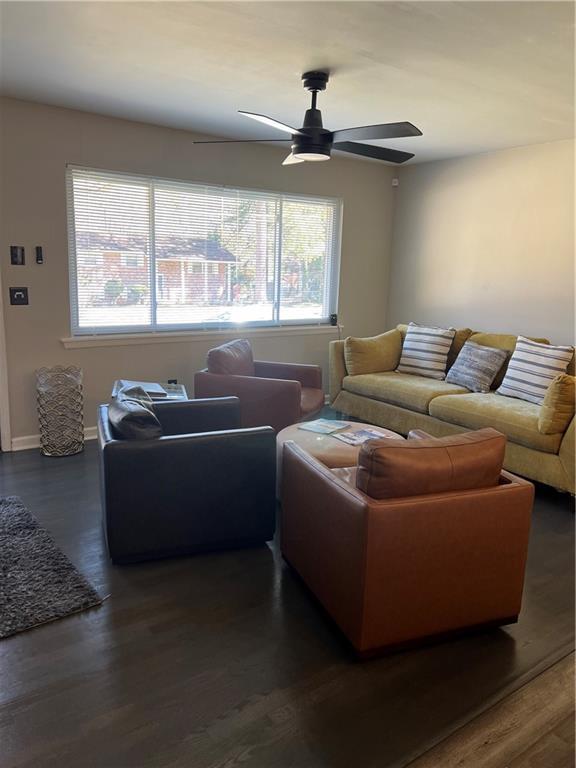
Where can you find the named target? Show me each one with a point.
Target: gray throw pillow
(476, 367)
(131, 415)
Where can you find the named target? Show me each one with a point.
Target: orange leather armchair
(270, 394)
(424, 538)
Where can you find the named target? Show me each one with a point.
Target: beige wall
(38, 141)
(487, 242)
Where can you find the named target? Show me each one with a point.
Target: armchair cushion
(390, 468)
(233, 358)
(132, 419)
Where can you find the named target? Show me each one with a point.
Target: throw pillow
(505, 341)
(373, 354)
(557, 409)
(132, 417)
(391, 468)
(460, 337)
(532, 368)
(476, 367)
(425, 351)
(233, 359)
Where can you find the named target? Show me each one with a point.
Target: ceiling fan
(313, 142)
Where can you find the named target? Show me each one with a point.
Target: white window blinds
(151, 254)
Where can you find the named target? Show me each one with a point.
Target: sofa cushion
(557, 410)
(233, 359)
(392, 468)
(532, 368)
(516, 419)
(505, 341)
(476, 366)
(403, 389)
(373, 354)
(460, 338)
(425, 351)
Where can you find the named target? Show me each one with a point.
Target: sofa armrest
(105, 433)
(337, 366)
(566, 453)
(307, 375)
(180, 417)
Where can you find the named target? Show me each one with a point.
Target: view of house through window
(150, 254)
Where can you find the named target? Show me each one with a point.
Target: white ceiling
(474, 76)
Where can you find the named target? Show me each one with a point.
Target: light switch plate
(17, 257)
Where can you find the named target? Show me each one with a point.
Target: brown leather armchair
(426, 537)
(273, 394)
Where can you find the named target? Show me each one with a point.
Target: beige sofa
(402, 402)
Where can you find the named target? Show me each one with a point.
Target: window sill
(187, 337)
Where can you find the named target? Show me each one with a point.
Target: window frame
(331, 286)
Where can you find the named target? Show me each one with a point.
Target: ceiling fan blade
(237, 141)
(271, 122)
(291, 160)
(378, 153)
(384, 131)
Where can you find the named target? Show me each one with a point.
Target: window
(151, 254)
(132, 260)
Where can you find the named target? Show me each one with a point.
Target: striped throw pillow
(476, 366)
(425, 351)
(532, 368)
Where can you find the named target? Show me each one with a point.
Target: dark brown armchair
(273, 394)
(425, 537)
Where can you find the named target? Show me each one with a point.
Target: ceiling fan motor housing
(313, 138)
(315, 81)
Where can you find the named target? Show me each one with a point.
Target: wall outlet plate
(18, 296)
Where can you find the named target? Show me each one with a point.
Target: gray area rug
(38, 583)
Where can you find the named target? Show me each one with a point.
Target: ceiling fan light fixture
(314, 157)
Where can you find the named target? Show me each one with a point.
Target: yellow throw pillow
(373, 354)
(557, 409)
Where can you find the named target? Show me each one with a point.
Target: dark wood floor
(224, 660)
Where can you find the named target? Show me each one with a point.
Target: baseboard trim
(28, 442)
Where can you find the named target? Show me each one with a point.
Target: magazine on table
(153, 390)
(323, 426)
(359, 436)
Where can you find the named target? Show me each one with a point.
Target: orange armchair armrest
(307, 375)
(263, 402)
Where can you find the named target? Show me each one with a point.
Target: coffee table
(326, 448)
